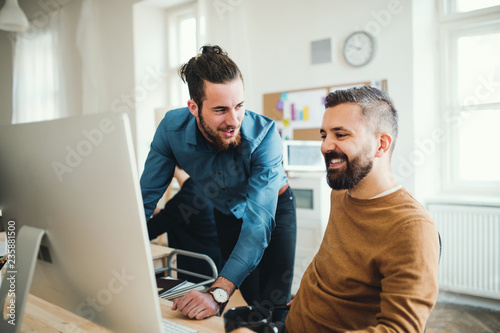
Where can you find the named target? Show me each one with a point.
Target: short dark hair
(377, 108)
(212, 65)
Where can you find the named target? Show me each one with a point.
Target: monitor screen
(304, 155)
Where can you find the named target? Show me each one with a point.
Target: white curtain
(38, 87)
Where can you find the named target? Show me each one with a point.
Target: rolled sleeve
(267, 177)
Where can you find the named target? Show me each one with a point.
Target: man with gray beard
(376, 269)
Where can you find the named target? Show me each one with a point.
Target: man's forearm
(225, 284)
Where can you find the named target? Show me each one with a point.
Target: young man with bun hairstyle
(236, 157)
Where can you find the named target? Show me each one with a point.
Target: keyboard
(169, 326)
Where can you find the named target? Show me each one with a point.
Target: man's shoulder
(407, 206)
(258, 118)
(256, 125)
(176, 118)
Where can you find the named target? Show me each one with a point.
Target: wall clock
(359, 48)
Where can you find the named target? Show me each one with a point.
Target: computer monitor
(303, 155)
(71, 185)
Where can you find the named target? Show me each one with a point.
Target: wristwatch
(220, 296)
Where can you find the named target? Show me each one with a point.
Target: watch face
(359, 48)
(220, 295)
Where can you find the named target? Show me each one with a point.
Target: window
(471, 101)
(182, 46)
(462, 6)
(38, 90)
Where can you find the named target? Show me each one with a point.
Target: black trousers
(271, 282)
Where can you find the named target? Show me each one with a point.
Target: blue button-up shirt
(242, 181)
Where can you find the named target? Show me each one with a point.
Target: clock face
(359, 48)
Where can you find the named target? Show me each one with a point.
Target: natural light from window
(469, 5)
(182, 47)
(187, 49)
(479, 69)
(187, 39)
(479, 145)
(478, 89)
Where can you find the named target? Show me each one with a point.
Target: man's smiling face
(222, 113)
(347, 146)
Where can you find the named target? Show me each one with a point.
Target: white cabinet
(312, 195)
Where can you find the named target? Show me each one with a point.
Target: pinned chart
(298, 114)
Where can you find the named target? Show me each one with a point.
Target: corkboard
(298, 113)
(270, 110)
(306, 134)
(270, 100)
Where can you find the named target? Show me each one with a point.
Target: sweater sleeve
(409, 267)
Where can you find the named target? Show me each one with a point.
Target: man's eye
(341, 135)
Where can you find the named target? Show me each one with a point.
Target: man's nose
(328, 145)
(232, 118)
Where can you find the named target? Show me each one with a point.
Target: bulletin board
(298, 113)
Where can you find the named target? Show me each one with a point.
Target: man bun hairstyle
(212, 65)
(377, 108)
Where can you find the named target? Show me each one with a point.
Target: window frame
(173, 18)
(452, 27)
(448, 11)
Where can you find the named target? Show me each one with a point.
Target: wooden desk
(209, 325)
(160, 254)
(42, 316)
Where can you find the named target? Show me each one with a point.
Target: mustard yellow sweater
(376, 269)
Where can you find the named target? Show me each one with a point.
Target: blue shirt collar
(191, 131)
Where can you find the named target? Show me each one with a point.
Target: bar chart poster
(303, 109)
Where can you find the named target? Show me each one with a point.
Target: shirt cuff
(235, 271)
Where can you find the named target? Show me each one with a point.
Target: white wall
(114, 21)
(150, 73)
(425, 159)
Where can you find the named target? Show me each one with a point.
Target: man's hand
(200, 305)
(196, 305)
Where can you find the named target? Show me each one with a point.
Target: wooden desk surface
(160, 252)
(209, 325)
(42, 316)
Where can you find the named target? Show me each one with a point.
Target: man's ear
(193, 107)
(385, 142)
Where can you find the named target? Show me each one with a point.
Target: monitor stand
(19, 274)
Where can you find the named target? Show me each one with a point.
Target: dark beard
(215, 139)
(356, 170)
